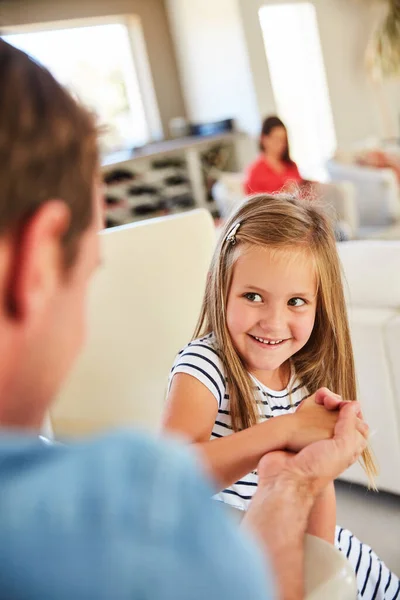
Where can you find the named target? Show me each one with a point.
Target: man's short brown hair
(48, 147)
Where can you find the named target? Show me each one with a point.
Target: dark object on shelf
(144, 209)
(216, 156)
(140, 190)
(214, 160)
(214, 128)
(166, 163)
(118, 176)
(183, 201)
(112, 201)
(111, 223)
(162, 205)
(176, 180)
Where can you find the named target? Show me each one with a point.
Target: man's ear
(36, 268)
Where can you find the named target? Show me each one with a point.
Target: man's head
(49, 217)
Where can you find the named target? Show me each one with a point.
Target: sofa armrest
(341, 199)
(377, 191)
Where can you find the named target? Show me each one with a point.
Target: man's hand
(288, 486)
(311, 423)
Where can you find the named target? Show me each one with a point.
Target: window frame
(138, 50)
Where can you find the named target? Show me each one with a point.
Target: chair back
(143, 307)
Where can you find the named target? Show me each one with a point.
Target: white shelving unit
(188, 151)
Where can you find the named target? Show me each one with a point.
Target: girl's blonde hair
(284, 222)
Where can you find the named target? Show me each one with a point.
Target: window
(297, 73)
(96, 63)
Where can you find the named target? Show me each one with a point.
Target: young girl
(272, 330)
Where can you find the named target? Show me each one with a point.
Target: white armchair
(377, 193)
(338, 197)
(228, 192)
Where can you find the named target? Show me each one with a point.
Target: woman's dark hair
(268, 125)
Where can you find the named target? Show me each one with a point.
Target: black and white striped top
(201, 359)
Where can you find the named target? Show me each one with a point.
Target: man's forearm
(322, 519)
(278, 516)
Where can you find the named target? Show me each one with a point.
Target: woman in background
(274, 169)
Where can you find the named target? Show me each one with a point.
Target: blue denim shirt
(119, 517)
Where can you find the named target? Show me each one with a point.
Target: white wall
(224, 72)
(359, 108)
(213, 63)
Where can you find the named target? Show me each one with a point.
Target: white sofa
(143, 307)
(377, 194)
(372, 281)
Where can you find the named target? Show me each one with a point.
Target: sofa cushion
(374, 356)
(371, 273)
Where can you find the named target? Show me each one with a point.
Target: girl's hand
(311, 423)
(325, 460)
(319, 422)
(332, 401)
(321, 462)
(326, 398)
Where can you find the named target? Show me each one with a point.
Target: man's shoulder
(134, 513)
(124, 455)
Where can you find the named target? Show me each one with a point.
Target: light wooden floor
(373, 517)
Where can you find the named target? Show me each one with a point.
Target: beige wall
(213, 62)
(155, 29)
(214, 66)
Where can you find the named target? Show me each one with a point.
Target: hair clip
(231, 237)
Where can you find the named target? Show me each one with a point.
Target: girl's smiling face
(271, 308)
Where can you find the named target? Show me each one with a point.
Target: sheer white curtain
(297, 72)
